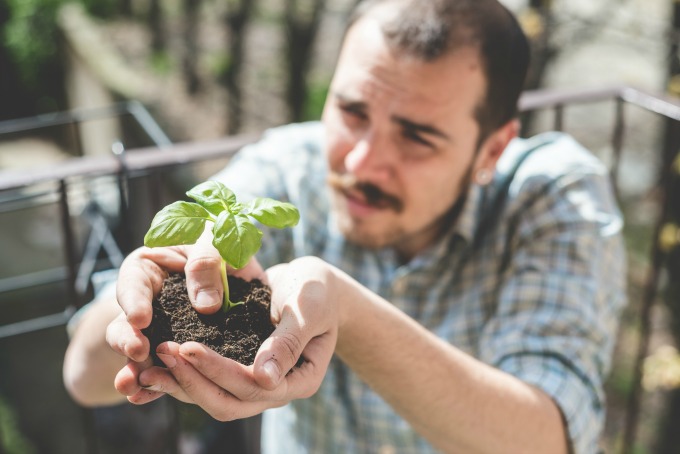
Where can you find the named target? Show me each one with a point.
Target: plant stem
(228, 305)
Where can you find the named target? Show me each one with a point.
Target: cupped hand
(141, 277)
(304, 310)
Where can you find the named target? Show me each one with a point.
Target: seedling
(235, 237)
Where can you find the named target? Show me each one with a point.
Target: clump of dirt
(236, 334)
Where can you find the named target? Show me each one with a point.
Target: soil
(236, 334)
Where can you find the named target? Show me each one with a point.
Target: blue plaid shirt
(530, 280)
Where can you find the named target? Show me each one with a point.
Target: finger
(273, 272)
(171, 258)
(214, 399)
(204, 278)
(230, 375)
(253, 270)
(279, 353)
(127, 340)
(155, 382)
(140, 277)
(237, 379)
(304, 381)
(144, 396)
(126, 381)
(159, 380)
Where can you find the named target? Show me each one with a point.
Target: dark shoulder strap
(503, 188)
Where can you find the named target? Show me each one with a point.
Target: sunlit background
(91, 79)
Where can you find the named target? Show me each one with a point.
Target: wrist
(341, 289)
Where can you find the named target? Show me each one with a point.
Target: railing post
(617, 142)
(72, 266)
(69, 243)
(659, 259)
(559, 117)
(122, 179)
(649, 296)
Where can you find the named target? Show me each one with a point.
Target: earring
(483, 177)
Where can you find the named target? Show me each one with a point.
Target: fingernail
(272, 371)
(156, 388)
(169, 360)
(207, 298)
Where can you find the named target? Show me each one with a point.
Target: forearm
(453, 400)
(90, 365)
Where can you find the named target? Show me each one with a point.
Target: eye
(353, 111)
(413, 136)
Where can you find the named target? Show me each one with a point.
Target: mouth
(364, 198)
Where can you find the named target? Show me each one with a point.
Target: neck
(411, 246)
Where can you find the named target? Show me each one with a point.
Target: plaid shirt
(530, 280)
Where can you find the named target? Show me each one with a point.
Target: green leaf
(236, 238)
(213, 196)
(273, 213)
(178, 223)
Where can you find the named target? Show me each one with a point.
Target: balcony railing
(100, 206)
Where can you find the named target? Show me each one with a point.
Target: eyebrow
(350, 102)
(421, 127)
(403, 122)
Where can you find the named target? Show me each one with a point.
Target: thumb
(280, 352)
(204, 278)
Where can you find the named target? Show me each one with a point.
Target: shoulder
(309, 131)
(299, 139)
(545, 159)
(554, 178)
(275, 162)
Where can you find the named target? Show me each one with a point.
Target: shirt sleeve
(560, 298)
(104, 283)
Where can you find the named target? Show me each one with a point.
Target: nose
(371, 158)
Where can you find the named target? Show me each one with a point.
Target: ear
(491, 150)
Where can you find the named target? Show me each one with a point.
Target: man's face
(401, 139)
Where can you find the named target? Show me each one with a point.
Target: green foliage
(218, 64)
(235, 237)
(177, 223)
(31, 34)
(11, 439)
(272, 213)
(316, 98)
(620, 381)
(161, 62)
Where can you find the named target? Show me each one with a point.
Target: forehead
(369, 68)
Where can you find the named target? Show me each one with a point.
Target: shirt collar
(465, 228)
(468, 221)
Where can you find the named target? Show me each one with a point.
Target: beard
(362, 231)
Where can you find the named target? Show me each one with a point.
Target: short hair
(429, 29)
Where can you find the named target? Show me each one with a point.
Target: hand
(304, 309)
(141, 277)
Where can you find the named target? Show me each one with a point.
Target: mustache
(373, 195)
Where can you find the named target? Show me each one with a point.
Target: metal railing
(669, 108)
(55, 183)
(20, 189)
(78, 116)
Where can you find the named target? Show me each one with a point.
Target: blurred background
(111, 108)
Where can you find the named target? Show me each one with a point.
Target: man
(457, 290)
